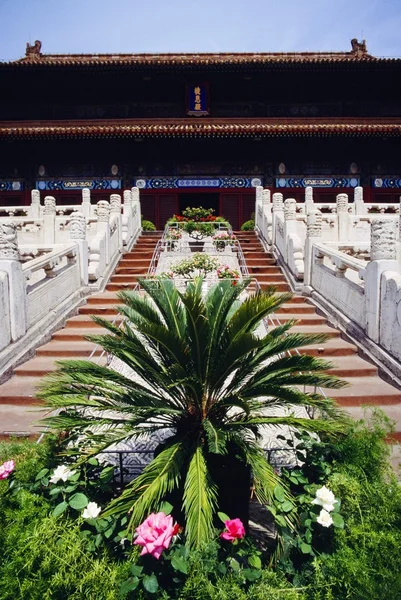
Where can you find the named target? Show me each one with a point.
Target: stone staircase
(366, 387)
(17, 395)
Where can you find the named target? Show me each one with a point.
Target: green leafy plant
(197, 213)
(248, 225)
(198, 230)
(198, 265)
(198, 358)
(148, 225)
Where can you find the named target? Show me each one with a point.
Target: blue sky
(113, 26)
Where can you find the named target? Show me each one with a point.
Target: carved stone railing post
(136, 209)
(115, 213)
(103, 225)
(127, 223)
(49, 220)
(343, 217)
(10, 263)
(266, 215)
(308, 199)
(313, 235)
(78, 235)
(293, 246)
(359, 205)
(34, 211)
(277, 209)
(258, 206)
(383, 236)
(86, 203)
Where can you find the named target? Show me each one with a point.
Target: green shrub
(29, 456)
(248, 225)
(148, 225)
(44, 558)
(363, 560)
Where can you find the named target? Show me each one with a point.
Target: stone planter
(196, 246)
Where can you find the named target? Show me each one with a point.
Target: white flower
(91, 511)
(62, 472)
(325, 498)
(324, 518)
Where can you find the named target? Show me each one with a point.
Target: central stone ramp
(19, 408)
(366, 387)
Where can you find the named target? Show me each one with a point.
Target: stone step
(129, 263)
(278, 285)
(258, 254)
(98, 309)
(42, 365)
(104, 298)
(122, 278)
(77, 334)
(138, 254)
(20, 391)
(86, 321)
(292, 307)
(302, 319)
(333, 347)
(316, 330)
(116, 287)
(366, 390)
(65, 349)
(352, 366)
(17, 421)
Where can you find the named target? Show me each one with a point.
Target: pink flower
(155, 534)
(6, 469)
(235, 530)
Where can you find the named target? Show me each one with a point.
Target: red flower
(234, 530)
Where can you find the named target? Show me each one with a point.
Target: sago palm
(204, 375)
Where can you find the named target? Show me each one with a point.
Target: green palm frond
(199, 501)
(160, 477)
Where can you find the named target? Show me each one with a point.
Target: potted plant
(222, 239)
(173, 236)
(226, 272)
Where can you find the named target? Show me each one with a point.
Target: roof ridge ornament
(33, 52)
(358, 48)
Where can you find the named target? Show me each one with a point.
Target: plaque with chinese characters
(198, 99)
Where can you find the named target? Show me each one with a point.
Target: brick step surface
(295, 308)
(85, 321)
(41, 365)
(77, 349)
(302, 319)
(127, 278)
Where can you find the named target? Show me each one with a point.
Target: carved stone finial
(265, 197)
(259, 192)
(115, 203)
(127, 197)
(50, 206)
(35, 197)
(33, 52)
(103, 211)
(358, 47)
(290, 209)
(383, 239)
(86, 196)
(342, 203)
(358, 194)
(8, 241)
(278, 204)
(77, 226)
(135, 194)
(314, 224)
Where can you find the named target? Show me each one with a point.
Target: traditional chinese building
(200, 129)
